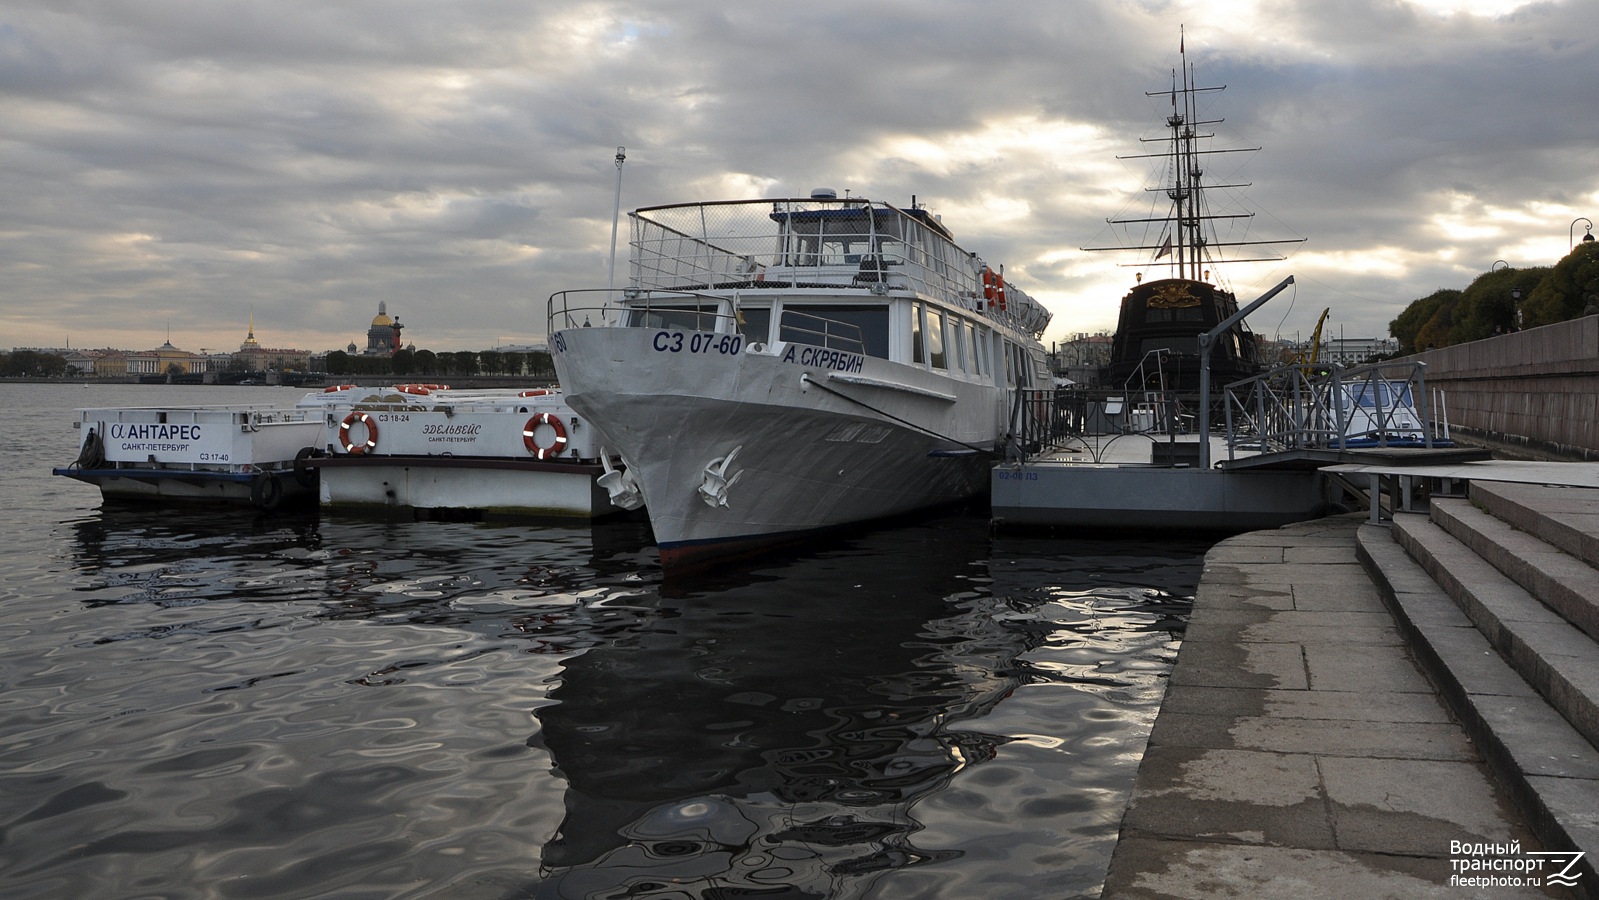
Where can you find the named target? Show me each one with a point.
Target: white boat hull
(497, 452)
(803, 457)
(504, 487)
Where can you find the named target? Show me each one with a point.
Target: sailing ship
(1156, 345)
(779, 367)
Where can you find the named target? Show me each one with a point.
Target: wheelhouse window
(826, 237)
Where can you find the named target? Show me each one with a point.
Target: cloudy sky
(183, 165)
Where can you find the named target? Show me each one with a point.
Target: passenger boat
(429, 448)
(418, 446)
(1156, 343)
(779, 367)
(237, 454)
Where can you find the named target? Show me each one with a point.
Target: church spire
(250, 343)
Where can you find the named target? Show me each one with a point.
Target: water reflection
(381, 705)
(772, 738)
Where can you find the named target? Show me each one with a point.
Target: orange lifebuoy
(535, 392)
(420, 390)
(993, 288)
(338, 387)
(539, 450)
(352, 447)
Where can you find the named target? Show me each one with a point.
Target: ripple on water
(204, 703)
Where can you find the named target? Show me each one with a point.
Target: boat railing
(1299, 406)
(799, 244)
(597, 307)
(789, 243)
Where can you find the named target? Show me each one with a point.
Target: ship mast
(1184, 242)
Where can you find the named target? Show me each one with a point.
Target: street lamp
(1572, 232)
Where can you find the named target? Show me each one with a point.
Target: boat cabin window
(958, 345)
(935, 339)
(755, 323)
(1371, 395)
(978, 368)
(1179, 314)
(687, 318)
(918, 346)
(854, 328)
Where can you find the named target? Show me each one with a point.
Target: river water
(210, 703)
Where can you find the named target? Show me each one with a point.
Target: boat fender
(266, 491)
(538, 450)
(350, 446)
(92, 456)
(305, 475)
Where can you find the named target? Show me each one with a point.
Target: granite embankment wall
(1535, 392)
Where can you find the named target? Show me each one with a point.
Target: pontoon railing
(1301, 407)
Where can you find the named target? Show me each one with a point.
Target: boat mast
(1184, 244)
(616, 217)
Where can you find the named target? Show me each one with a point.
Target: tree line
(1500, 301)
(32, 364)
(408, 362)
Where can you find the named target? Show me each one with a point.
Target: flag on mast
(1165, 249)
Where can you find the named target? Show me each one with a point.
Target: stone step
(1566, 517)
(1558, 661)
(1549, 767)
(1563, 582)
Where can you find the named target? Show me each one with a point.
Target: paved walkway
(1299, 751)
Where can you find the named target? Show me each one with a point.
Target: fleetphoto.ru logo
(1507, 865)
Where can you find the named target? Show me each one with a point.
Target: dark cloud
(187, 162)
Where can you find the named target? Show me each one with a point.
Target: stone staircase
(1499, 595)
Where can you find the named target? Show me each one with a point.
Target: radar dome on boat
(824, 194)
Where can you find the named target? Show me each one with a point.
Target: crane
(1308, 356)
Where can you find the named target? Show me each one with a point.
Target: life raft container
(538, 450)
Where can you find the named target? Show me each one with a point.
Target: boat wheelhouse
(779, 367)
